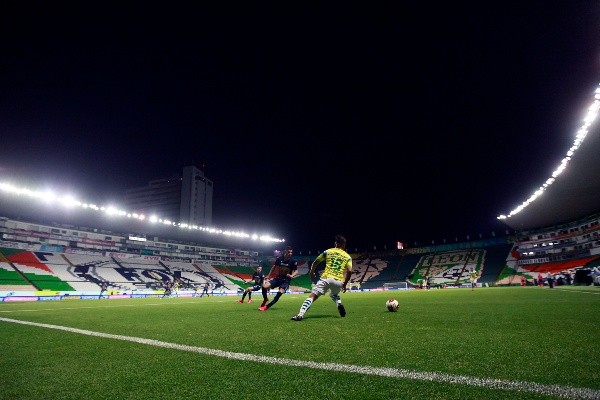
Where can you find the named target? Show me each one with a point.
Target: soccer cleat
(342, 310)
(241, 301)
(249, 301)
(297, 318)
(263, 308)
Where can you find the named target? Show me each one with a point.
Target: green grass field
(489, 343)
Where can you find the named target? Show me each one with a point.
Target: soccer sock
(275, 299)
(305, 306)
(336, 299)
(264, 293)
(244, 296)
(249, 295)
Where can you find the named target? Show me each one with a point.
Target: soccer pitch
(493, 343)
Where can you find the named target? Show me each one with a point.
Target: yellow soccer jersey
(336, 261)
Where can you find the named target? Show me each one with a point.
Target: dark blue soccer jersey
(258, 278)
(285, 266)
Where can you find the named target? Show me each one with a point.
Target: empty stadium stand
(43, 260)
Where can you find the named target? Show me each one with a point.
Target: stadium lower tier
(30, 273)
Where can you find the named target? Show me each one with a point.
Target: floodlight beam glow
(581, 134)
(70, 201)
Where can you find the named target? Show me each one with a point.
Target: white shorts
(323, 285)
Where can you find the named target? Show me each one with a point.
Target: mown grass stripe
(532, 387)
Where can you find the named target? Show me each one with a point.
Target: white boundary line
(532, 387)
(593, 291)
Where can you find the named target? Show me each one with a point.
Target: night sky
(383, 121)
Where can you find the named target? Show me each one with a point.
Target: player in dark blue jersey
(287, 269)
(205, 289)
(168, 286)
(258, 278)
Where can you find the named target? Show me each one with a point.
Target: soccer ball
(392, 305)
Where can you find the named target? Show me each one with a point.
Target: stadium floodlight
(113, 211)
(69, 201)
(581, 134)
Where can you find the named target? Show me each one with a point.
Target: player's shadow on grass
(315, 316)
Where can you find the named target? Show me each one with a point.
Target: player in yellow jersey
(338, 268)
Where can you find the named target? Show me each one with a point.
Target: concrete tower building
(186, 198)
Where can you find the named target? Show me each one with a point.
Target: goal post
(395, 285)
